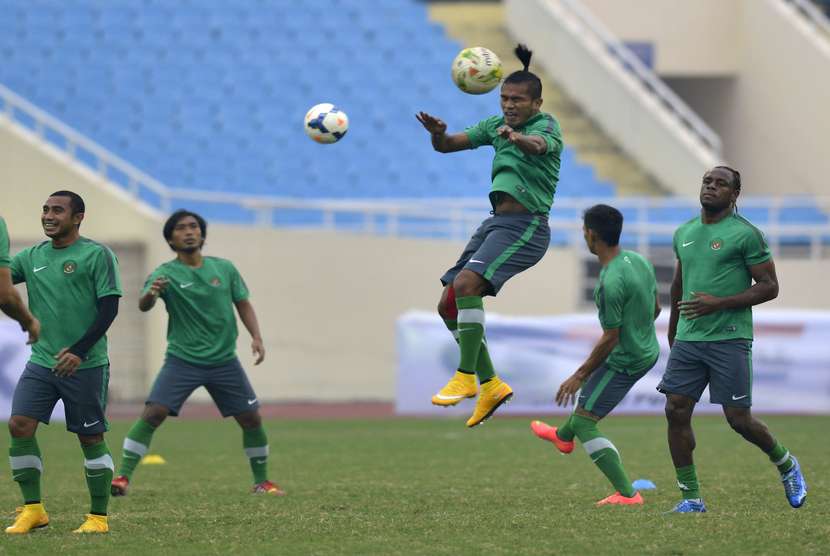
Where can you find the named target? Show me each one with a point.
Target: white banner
(791, 362)
(13, 356)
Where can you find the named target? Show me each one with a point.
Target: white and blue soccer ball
(325, 123)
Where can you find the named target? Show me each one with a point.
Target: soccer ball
(325, 123)
(476, 70)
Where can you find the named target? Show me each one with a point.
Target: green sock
(255, 443)
(484, 366)
(471, 336)
(687, 481)
(24, 457)
(566, 431)
(136, 445)
(603, 453)
(98, 468)
(781, 457)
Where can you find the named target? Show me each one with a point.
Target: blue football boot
(795, 487)
(689, 507)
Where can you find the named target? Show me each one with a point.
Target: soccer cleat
(460, 386)
(689, 507)
(93, 524)
(30, 516)
(267, 487)
(618, 499)
(493, 394)
(119, 486)
(546, 432)
(795, 487)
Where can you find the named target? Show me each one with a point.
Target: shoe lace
(791, 482)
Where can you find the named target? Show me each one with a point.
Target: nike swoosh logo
(252, 402)
(443, 397)
(186, 285)
(467, 329)
(15, 477)
(87, 425)
(687, 243)
(39, 268)
(260, 461)
(95, 476)
(599, 458)
(476, 261)
(739, 397)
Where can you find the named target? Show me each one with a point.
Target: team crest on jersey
(69, 267)
(215, 282)
(716, 244)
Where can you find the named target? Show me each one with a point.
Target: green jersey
(626, 296)
(200, 303)
(64, 286)
(715, 259)
(530, 179)
(5, 260)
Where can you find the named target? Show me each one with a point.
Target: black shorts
(605, 389)
(503, 246)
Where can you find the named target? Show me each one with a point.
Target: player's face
(717, 191)
(187, 235)
(57, 218)
(517, 105)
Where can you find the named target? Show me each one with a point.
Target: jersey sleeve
(5, 259)
(105, 274)
(611, 301)
(548, 129)
(18, 266)
(483, 132)
(239, 290)
(754, 247)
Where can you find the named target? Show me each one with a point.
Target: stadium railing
(814, 15)
(649, 221)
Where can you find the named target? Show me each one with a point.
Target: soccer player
(528, 144)
(74, 288)
(10, 301)
(200, 293)
(626, 297)
(719, 255)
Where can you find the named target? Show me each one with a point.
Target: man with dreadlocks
(719, 255)
(528, 145)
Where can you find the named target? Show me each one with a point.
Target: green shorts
(226, 383)
(84, 396)
(725, 365)
(605, 389)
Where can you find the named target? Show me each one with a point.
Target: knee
(739, 423)
(444, 309)
(90, 439)
(468, 283)
(249, 420)
(677, 413)
(22, 427)
(155, 414)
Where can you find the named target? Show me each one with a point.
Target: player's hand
(158, 286)
(507, 132)
(702, 304)
(68, 363)
(568, 389)
(258, 350)
(33, 328)
(435, 126)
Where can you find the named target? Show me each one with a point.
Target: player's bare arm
(148, 300)
(248, 316)
(676, 294)
(528, 144)
(12, 305)
(441, 141)
(602, 349)
(764, 289)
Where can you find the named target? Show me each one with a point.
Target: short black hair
(174, 219)
(76, 203)
(736, 176)
(606, 221)
(534, 84)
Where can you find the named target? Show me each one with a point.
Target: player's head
(185, 231)
(62, 214)
(720, 188)
(521, 92)
(601, 223)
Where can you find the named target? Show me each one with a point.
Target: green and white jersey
(715, 259)
(64, 286)
(626, 296)
(530, 179)
(200, 303)
(5, 260)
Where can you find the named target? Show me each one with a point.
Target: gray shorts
(503, 246)
(84, 396)
(226, 383)
(605, 389)
(726, 366)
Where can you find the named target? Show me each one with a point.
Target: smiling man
(200, 294)
(74, 288)
(719, 256)
(528, 145)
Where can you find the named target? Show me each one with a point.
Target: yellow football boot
(494, 393)
(30, 516)
(460, 386)
(93, 524)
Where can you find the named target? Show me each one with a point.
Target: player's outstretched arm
(248, 316)
(602, 349)
(676, 294)
(441, 141)
(148, 300)
(12, 304)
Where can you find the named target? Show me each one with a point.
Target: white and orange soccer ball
(476, 70)
(325, 123)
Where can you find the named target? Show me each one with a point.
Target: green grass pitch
(420, 486)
